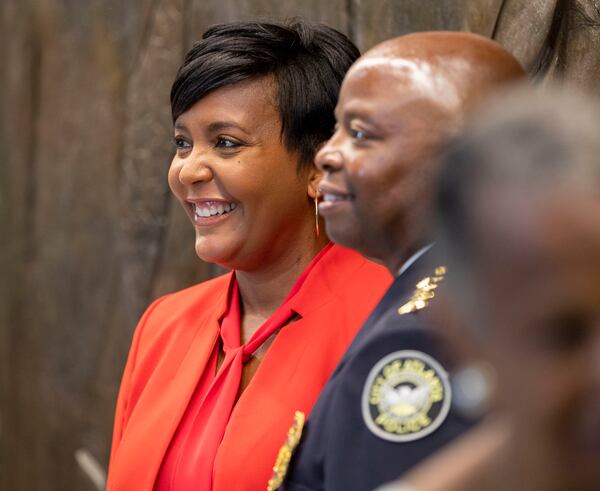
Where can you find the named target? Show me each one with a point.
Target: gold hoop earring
(317, 214)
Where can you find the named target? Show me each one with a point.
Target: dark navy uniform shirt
(388, 403)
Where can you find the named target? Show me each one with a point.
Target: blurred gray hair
(544, 140)
(526, 139)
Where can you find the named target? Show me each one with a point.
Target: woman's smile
(209, 212)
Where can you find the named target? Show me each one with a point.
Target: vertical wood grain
(377, 20)
(89, 234)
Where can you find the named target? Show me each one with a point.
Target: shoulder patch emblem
(406, 396)
(285, 453)
(424, 292)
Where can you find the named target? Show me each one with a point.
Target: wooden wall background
(88, 231)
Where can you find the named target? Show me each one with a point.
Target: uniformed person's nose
(329, 159)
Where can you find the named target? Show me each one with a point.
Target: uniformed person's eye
(358, 134)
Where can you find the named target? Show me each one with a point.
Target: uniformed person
(389, 402)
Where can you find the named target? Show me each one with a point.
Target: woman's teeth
(213, 209)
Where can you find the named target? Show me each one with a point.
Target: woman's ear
(314, 178)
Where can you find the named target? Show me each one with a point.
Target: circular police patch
(406, 396)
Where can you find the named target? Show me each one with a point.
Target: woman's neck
(262, 291)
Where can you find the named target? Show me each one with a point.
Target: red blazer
(171, 347)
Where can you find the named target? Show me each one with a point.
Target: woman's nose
(329, 159)
(195, 170)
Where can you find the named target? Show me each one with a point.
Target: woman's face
(539, 267)
(236, 180)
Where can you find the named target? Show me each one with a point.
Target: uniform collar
(412, 259)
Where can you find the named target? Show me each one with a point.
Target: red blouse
(190, 459)
(171, 370)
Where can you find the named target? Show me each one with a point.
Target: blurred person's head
(519, 216)
(397, 103)
(250, 105)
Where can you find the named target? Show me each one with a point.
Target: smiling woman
(216, 372)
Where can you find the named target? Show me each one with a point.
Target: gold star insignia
(425, 291)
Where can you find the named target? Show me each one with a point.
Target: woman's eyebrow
(222, 125)
(214, 127)
(179, 126)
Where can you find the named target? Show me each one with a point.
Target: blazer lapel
(167, 393)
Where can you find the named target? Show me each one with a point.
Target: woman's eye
(182, 144)
(227, 143)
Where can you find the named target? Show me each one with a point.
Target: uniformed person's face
(377, 167)
(236, 180)
(539, 270)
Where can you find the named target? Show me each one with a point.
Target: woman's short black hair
(307, 61)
